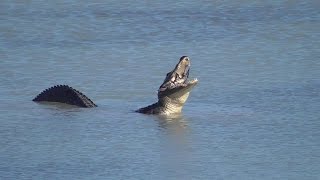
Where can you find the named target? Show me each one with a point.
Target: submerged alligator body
(172, 94)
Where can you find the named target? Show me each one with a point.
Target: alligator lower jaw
(190, 83)
(193, 81)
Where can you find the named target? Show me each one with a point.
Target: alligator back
(65, 94)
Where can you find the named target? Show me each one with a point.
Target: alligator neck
(163, 106)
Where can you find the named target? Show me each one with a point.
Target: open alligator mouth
(174, 91)
(177, 79)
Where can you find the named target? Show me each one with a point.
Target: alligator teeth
(194, 80)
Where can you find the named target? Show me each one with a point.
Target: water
(254, 115)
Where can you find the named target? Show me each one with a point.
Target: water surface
(254, 115)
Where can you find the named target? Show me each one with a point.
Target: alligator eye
(185, 58)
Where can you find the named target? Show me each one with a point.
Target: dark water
(254, 115)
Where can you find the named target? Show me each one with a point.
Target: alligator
(172, 94)
(174, 91)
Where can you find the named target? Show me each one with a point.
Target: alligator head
(174, 91)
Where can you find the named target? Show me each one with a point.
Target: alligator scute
(65, 94)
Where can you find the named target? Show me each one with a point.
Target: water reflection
(176, 129)
(56, 105)
(177, 148)
(175, 122)
(57, 110)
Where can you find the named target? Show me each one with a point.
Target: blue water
(255, 113)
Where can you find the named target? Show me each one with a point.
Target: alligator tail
(65, 94)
